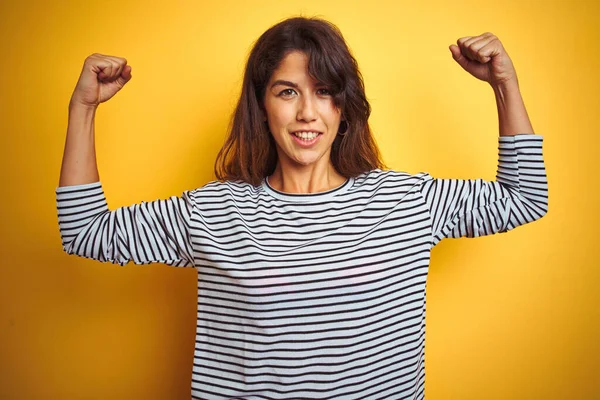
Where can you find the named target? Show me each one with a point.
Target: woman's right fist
(101, 78)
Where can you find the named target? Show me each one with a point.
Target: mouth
(306, 137)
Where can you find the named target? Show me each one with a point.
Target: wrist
(81, 118)
(79, 107)
(505, 88)
(512, 115)
(507, 95)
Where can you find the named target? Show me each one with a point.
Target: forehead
(293, 65)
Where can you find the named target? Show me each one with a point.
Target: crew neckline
(307, 197)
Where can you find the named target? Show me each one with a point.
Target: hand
(101, 78)
(484, 57)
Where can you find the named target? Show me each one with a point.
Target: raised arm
(157, 231)
(485, 58)
(519, 195)
(101, 78)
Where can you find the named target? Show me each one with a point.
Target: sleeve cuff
(75, 188)
(521, 137)
(76, 201)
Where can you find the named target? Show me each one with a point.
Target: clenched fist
(101, 78)
(484, 57)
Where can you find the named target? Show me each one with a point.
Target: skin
(300, 169)
(294, 101)
(485, 58)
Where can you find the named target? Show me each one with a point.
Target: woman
(312, 260)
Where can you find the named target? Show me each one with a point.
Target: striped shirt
(309, 296)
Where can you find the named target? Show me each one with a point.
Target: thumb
(458, 57)
(125, 76)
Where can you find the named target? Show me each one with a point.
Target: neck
(305, 179)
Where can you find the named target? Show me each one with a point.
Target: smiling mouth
(306, 135)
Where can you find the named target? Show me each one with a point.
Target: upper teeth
(306, 135)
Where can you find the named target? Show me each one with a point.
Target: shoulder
(378, 178)
(388, 184)
(226, 190)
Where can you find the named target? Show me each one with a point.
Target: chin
(305, 163)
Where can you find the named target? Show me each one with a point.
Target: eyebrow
(284, 83)
(292, 84)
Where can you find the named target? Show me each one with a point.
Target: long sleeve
(475, 208)
(157, 231)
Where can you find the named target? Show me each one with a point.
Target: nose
(306, 109)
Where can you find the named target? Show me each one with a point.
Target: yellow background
(511, 316)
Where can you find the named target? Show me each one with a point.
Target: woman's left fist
(484, 57)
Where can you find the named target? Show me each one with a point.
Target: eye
(287, 93)
(323, 92)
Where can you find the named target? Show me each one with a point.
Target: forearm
(79, 158)
(512, 115)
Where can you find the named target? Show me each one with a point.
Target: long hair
(249, 153)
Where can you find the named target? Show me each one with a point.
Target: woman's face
(301, 114)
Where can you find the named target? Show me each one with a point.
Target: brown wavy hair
(249, 153)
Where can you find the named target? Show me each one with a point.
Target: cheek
(279, 117)
(331, 113)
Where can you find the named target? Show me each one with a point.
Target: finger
(473, 39)
(120, 61)
(470, 40)
(105, 70)
(118, 70)
(476, 46)
(491, 49)
(124, 77)
(458, 56)
(110, 71)
(460, 42)
(115, 70)
(478, 42)
(470, 44)
(464, 49)
(100, 65)
(110, 67)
